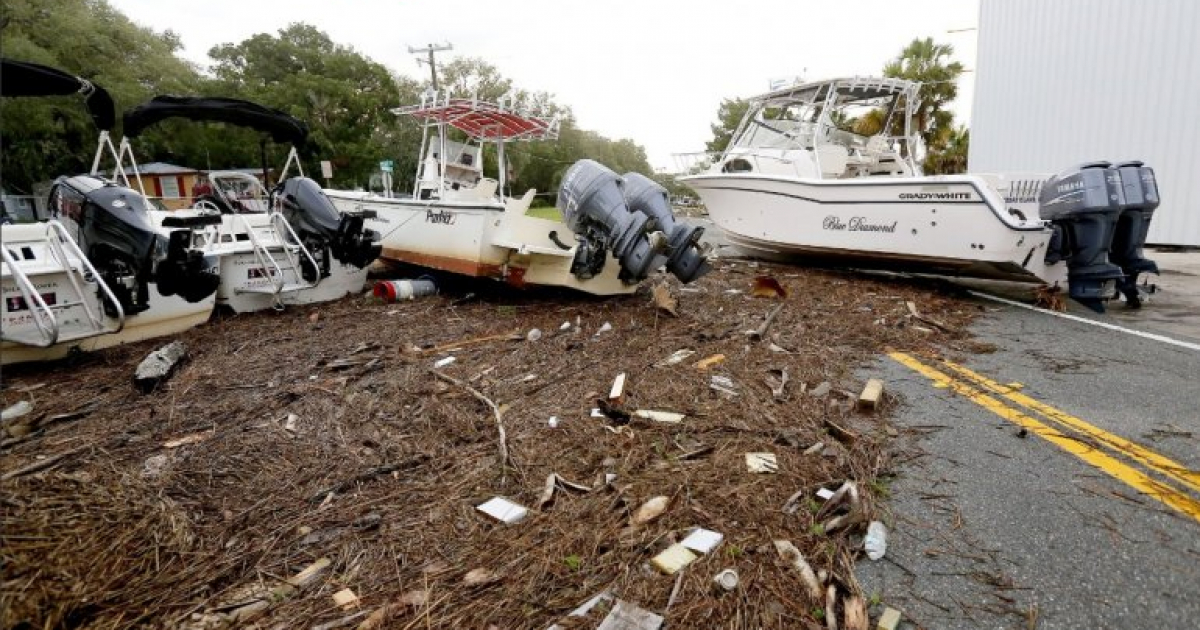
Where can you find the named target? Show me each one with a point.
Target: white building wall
(1066, 81)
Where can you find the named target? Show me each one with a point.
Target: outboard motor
(1141, 198)
(593, 205)
(687, 260)
(110, 224)
(1083, 204)
(324, 230)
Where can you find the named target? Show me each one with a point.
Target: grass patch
(545, 212)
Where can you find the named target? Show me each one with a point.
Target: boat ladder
(60, 247)
(282, 237)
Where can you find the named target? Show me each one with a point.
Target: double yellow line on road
(1082, 439)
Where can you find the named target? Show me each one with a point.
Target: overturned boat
(286, 246)
(97, 273)
(798, 181)
(461, 221)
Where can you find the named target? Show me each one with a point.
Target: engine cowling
(1083, 204)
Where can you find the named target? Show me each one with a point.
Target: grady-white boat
(290, 246)
(97, 273)
(461, 221)
(798, 182)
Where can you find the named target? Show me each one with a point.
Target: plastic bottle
(876, 541)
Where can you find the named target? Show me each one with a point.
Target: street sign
(386, 166)
(326, 169)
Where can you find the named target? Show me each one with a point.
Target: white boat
(461, 221)
(798, 182)
(96, 274)
(286, 247)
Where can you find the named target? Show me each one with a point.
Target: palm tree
(928, 63)
(951, 154)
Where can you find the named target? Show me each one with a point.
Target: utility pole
(430, 49)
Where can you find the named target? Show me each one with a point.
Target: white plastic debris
(702, 540)
(669, 417)
(604, 328)
(533, 335)
(824, 493)
(876, 541)
(565, 326)
(762, 462)
(553, 422)
(676, 357)
(17, 410)
(618, 387)
(722, 384)
(596, 413)
(503, 510)
(726, 580)
(441, 363)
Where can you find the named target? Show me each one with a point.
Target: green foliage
(929, 63)
(950, 155)
(729, 114)
(573, 562)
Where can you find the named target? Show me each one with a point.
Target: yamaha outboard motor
(324, 230)
(593, 205)
(110, 224)
(1141, 198)
(686, 260)
(1083, 204)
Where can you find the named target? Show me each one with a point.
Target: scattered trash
(814, 449)
(603, 329)
(189, 439)
(155, 465)
(1022, 432)
(702, 540)
(346, 598)
(844, 435)
(889, 619)
(411, 599)
(726, 580)
(822, 390)
(618, 388)
(583, 609)
(15, 411)
(762, 463)
(289, 424)
(553, 482)
(676, 358)
(553, 422)
(912, 310)
(876, 541)
(661, 294)
(767, 287)
(792, 556)
(565, 326)
(846, 502)
(480, 577)
(651, 510)
(158, 365)
(673, 558)
(669, 417)
(533, 335)
(871, 394)
(778, 381)
(758, 333)
(596, 413)
(626, 616)
(780, 349)
(314, 317)
(443, 362)
(707, 362)
(395, 290)
(722, 384)
(503, 510)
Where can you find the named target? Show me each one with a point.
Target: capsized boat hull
(955, 225)
(482, 239)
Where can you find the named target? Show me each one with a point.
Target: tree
(729, 116)
(47, 137)
(951, 155)
(345, 98)
(928, 63)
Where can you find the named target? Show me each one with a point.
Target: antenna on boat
(430, 50)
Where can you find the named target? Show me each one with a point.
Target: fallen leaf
(664, 300)
(651, 510)
(767, 287)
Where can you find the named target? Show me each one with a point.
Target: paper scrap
(702, 540)
(503, 510)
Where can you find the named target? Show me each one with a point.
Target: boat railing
(292, 248)
(62, 248)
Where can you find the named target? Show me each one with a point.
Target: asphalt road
(992, 527)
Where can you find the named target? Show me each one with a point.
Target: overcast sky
(652, 71)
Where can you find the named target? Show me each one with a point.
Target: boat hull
(952, 225)
(482, 239)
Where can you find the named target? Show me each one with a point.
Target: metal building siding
(1067, 81)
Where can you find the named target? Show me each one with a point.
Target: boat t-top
(829, 171)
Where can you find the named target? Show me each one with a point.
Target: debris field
(314, 469)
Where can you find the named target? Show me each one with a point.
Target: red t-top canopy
(486, 121)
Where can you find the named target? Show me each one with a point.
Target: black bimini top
(282, 127)
(22, 78)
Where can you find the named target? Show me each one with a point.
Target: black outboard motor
(687, 260)
(110, 224)
(1141, 198)
(593, 205)
(1083, 204)
(324, 230)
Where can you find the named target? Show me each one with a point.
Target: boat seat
(832, 159)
